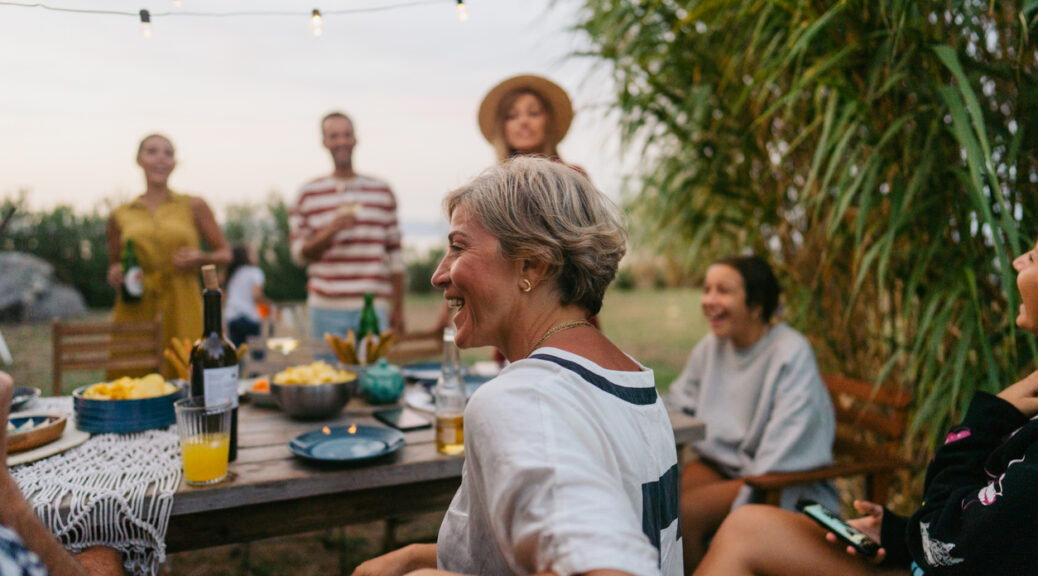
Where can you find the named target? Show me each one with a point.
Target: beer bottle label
(133, 279)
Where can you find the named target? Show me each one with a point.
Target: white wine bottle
(214, 362)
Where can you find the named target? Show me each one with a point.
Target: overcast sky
(241, 97)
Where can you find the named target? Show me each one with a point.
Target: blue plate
(22, 396)
(368, 442)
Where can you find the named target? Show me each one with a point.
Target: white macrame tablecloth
(118, 490)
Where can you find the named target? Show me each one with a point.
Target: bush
(625, 280)
(285, 280)
(420, 271)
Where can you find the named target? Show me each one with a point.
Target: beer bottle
(133, 276)
(368, 326)
(214, 362)
(450, 398)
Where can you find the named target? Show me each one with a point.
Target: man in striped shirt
(345, 231)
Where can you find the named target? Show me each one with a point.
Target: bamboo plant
(882, 153)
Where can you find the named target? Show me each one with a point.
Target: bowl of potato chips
(127, 404)
(313, 391)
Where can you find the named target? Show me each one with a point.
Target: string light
(316, 19)
(146, 30)
(379, 8)
(316, 23)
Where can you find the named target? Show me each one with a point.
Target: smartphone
(403, 419)
(844, 531)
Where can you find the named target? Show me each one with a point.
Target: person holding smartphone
(979, 500)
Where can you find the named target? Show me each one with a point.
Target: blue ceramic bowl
(123, 416)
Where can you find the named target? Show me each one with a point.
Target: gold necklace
(556, 329)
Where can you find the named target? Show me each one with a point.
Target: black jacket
(980, 502)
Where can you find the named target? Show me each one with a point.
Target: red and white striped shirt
(361, 257)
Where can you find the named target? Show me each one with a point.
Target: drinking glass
(205, 433)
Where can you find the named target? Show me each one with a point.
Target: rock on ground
(30, 292)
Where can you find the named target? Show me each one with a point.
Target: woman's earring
(527, 286)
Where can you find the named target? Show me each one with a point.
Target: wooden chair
(416, 346)
(120, 347)
(870, 423)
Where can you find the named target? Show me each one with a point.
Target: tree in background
(882, 152)
(269, 235)
(75, 244)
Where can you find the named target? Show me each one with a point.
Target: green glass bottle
(368, 326)
(133, 276)
(214, 362)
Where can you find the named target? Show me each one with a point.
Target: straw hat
(550, 92)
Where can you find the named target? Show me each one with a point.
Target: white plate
(419, 398)
(70, 438)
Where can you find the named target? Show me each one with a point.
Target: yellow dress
(174, 294)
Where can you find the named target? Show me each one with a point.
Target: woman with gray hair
(570, 465)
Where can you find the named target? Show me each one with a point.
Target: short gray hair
(544, 211)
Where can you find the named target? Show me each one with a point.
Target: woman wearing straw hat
(526, 115)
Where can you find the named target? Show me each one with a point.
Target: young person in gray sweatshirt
(755, 383)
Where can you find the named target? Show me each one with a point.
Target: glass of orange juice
(204, 432)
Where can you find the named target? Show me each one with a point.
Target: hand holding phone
(855, 538)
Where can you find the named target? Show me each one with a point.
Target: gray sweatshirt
(766, 409)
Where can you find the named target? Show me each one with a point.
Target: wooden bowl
(47, 428)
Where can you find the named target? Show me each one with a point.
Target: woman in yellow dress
(166, 228)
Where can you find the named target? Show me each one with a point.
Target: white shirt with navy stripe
(569, 467)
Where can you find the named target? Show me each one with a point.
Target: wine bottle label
(221, 385)
(134, 281)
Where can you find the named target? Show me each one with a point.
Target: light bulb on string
(463, 11)
(146, 30)
(316, 23)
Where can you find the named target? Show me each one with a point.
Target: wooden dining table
(270, 492)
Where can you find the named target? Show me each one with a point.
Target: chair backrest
(417, 346)
(120, 348)
(867, 416)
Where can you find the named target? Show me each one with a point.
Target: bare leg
(767, 541)
(706, 498)
(101, 560)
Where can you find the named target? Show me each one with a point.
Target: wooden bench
(870, 425)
